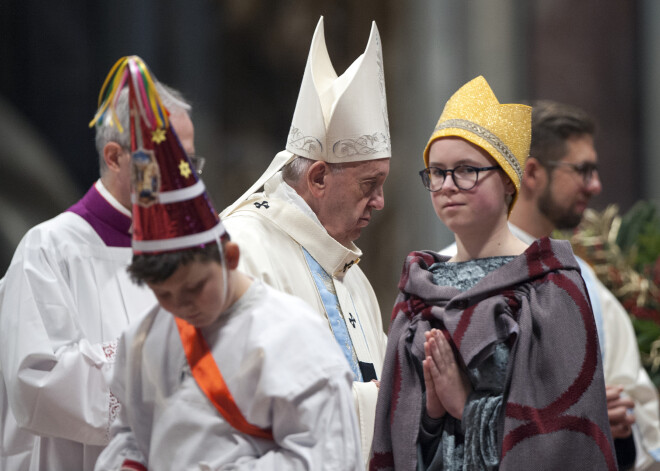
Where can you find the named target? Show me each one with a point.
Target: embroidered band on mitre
(337, 118)
(503, 130)
(171, 208)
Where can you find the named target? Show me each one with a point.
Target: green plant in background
(639, 235)
(625, 254)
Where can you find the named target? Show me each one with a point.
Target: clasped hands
(447, 385)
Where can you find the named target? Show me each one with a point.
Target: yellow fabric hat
(504, 131)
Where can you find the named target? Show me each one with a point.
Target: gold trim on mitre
(503, 130)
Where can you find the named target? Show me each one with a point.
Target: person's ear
(316, 178)
(509, 188)
(111, 153)
(232, 255)
(535, 175)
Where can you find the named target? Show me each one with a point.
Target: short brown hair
(553, 124)
(158, 267)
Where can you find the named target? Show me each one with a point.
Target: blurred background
(240, 63)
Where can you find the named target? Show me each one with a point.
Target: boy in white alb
(221, 374)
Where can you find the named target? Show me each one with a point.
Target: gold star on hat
(184, 169)
(158, 135)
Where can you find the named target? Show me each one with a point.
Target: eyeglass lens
(585, 170)
(464, 176)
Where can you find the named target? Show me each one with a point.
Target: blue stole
(330, 301)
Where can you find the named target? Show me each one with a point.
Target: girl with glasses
(492, 359)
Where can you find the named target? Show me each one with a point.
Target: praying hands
(447, 385)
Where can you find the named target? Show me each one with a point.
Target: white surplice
(271, 229)
(282, 371)
(64, 301)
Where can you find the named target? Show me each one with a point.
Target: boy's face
(195, 293)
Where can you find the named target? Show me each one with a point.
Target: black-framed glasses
(465, 176)
(585, 169)
(197, 162)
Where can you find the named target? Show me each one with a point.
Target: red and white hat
(171, 208)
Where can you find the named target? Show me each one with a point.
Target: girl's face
(480, 208)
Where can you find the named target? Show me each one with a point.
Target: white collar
(277, 187)
(520, 234)
(103, 191)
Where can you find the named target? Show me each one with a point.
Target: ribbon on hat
(133, 68)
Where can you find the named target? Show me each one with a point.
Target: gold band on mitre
(504, 131)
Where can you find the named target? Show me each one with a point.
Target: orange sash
(210, 380)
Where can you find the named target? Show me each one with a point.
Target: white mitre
(337, 119)
(341, 119)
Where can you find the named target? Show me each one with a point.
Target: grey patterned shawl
(555, 414)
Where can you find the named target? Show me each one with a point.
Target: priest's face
(196, 292)
(567, 193)
(349, 197)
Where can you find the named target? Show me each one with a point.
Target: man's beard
(561, 218)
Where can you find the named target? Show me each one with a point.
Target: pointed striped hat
(171, 208)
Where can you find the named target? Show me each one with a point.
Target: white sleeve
(56, 379)
(122, 447)
(365, 396)
(622, 365)
(317, 430)
(123, 444)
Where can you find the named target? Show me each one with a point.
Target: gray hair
(299, 166)
(107, 131)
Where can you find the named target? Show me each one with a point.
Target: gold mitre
(504, 131)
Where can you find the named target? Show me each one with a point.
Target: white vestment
(271, 229)
(283, 372)
(621, 361)
(64, 302)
